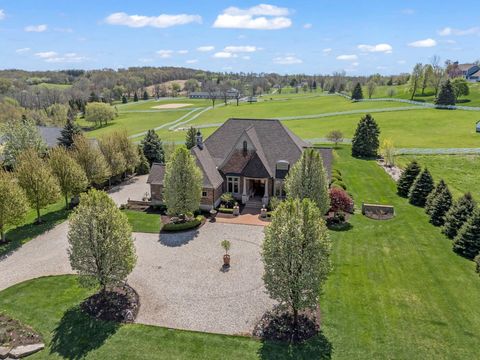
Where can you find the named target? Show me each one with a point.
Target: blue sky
(321, 36)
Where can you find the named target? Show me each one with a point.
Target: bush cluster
(184, 225)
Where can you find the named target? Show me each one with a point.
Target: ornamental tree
(357, 93)
(440, 206)
(99, 113)
(37, 180)
(182, 183)
(295, 254)
(407, 178)
(335, 136)
(421, 188)
(70, 175)
(340, 200)
(13, 203)
(110, 149)
(467, 241)
(91, 159)
(153, 148)
(458, 214)
(365, 142)
(100, 241)
(308, 179)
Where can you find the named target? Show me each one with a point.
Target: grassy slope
(461, 172)
(143, 222)
(397, 289)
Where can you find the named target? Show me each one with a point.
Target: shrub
(340, 201)
(225, 210)
(339, 184)
(274, 202)
(336, 172)
(227, 200)
(337, 219)
(184, 225)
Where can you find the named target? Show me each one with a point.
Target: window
(279, 189)
(233, 184)
(245, 145)
(204, 194)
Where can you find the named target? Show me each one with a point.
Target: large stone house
(246, 157)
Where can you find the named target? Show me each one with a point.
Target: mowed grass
(150, 104)
(397, 291)
(144, 222)
(460, 172)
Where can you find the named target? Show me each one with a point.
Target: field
(460, 172)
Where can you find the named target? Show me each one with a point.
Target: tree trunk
(39, 220)
(66, 202)
(4, 240)
(295, 324)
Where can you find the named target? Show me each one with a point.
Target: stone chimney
(199, 139)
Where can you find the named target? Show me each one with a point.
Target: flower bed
(187, 225)
(17, 340)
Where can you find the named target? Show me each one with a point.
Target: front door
(258, 187)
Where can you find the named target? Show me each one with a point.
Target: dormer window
(245, 146)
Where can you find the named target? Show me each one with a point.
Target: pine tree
(145, 95)
(440, 206)
(135, 97)
(124, 99)
(433, 195)
(467, 241)
(67, 134)
(143, 166)
(477, 264)
(407, 178)
(365, 142)
(458, 215)
(446, 96)
(421, 188)
(190, 138)
(357, 93)
(153, 148)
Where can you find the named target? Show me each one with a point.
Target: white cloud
(54, 57)
(355, 63)
(260, 17)
(307, 26)
(447, 31)
(450, 41)
(161, 21)
(206, 48)
(224, 55)
(240, 49)
(22, 50)
(384, 48)
(46, 54)
(327, 50)
(36, 28)
(347, 57)
(182, 52)
(165, 53)
(426, 43)
(191, 61)
(287, 60)
(246, 57)
(2, 14)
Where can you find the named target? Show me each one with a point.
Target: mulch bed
(120, 304)
(277, 325)
(13, 333)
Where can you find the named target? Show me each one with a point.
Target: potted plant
(226, 257)
(263, 212)
(236, 209)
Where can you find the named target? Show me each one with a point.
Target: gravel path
(178, 276)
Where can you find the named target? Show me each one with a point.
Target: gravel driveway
(178, 276)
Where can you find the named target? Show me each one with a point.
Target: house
(249, 158)
(470, 72)
(230, 94)
(478, 126)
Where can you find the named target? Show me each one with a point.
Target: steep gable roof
(211, 176)
(157, 172)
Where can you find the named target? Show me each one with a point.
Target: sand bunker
(171, 106)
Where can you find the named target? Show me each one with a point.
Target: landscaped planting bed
(182, 226)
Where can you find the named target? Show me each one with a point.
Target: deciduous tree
(91, 159)
(335, 136)
(13, 203)
(99, 113)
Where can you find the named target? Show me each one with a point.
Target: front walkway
(246, 217)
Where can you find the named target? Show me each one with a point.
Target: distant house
(470, 72)
(231, 94)
(478, 126)
(249, 158)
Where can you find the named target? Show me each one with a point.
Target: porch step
(254, 204)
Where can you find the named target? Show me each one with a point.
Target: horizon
(281, 37)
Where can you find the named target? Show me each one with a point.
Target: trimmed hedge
(225, 210)
(338, 184)
(184, 226)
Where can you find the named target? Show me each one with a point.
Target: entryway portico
(255, 188)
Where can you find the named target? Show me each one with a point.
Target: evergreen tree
(153, 148)
(357, 93)
(467, 241)
(365, 142)
(124, 99)
(421, 188)
(143, 166)
(433, 195)
(67, 134)
(408, 178)
(190, 138)
(440, 206)
(477, 264)
(458, 215)
(446, 96)
(332, 89)
(145, 95)
(135, 97)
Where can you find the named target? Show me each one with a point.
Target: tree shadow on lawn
(77, 334)
(21, 234)
(316, 348)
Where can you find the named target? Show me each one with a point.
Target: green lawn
(460, 172)
(397, 290)
(52, 215)
(150, 104)
(144, 222)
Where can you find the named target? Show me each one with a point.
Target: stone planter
(263, 213)
(236, 210)
(226, 260)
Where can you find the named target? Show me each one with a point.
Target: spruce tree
(433, 195)
(365, 142)
(446, 96)
(467, 241)
(421, 188)
(153, 148)
(145, 95)
(332, 89)
(458, 215)
(190, 138)
(143, 166)
(440, 206)
(407, 178)
(67, 134)
(124, 99)
(135, 97)
(357, 93)
(477, 264)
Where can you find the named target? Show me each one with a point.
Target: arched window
(245, 145)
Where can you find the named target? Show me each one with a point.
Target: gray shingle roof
(157, 172)
(211, 176)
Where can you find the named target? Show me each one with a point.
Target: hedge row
(184, 226)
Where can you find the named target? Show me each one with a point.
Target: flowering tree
(340, 200)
